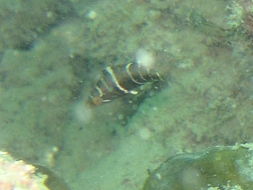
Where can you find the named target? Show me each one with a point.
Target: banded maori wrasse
(120, 80)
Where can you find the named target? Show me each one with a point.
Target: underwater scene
(126, 94)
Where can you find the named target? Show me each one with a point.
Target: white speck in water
(92, 15)
(145, 133)
(145, 58)
(82, 112)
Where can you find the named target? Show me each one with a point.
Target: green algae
(214, 167)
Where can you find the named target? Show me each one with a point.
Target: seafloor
(52, 52)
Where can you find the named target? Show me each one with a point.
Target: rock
(21, 24)
(228, 167)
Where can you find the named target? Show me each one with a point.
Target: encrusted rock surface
(217, 168)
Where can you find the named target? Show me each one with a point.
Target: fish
(120, 80)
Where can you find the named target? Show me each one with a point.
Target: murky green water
(53, 53)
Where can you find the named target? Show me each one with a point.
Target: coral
(19, 175)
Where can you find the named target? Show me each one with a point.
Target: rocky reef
(22, 22)
(217, 168)
(50, 61)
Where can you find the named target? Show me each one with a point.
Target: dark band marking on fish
(158, 76)
(124, 79)
(141, 75)
(105, 84)
(115, 81)
(136, 71)
(106, 77)
(100, 92)
(130, 74)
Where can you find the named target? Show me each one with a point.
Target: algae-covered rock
(229, 167)
(21, 22)
(36, 93)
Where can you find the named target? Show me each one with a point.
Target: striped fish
(117, 81)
